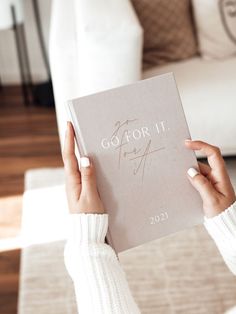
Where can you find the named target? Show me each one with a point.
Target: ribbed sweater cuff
(88, 228)
(222, 227)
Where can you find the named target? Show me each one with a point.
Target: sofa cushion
(168, 30)
(216, 27)
(208, 93)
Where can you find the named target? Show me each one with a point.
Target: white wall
(9, 69)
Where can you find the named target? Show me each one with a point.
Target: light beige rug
(182, 274)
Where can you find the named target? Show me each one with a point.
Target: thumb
(202, 185)
(88, 179)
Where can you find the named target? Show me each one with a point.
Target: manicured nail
(192, 172)
(84, 162)
(188, 140)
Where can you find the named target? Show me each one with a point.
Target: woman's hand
(213, 182)
(81, 189)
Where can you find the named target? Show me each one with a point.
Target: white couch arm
(109, 40)
(94, 45)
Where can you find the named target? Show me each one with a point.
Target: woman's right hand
(213, 182)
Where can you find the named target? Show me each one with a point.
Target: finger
(212, 153)
(69, 158)
(202, 185)
(204, 169)
(88, 178)
(219, 176)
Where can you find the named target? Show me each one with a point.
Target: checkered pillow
(168, 30)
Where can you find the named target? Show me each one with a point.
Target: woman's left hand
(81, 188)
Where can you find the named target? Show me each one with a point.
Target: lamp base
(43, 94)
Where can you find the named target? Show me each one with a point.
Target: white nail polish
(84, 162)
(192, 172)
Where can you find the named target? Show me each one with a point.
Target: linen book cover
(135, 136)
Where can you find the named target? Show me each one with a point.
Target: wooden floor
(28, 139)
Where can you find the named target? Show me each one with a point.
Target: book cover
(135, 136)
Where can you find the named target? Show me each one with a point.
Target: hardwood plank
(9, 281)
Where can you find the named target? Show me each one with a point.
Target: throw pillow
(216, 27)
(168, 30)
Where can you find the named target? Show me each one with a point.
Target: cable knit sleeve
(222, 228)
(100, 283)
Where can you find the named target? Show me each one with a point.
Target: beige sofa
(97, 46)
(208, 93)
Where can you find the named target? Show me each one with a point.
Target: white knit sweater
(100, 283)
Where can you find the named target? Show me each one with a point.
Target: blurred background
(55, 50)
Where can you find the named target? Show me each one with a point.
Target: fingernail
(188, 140)
(84, 162)
(192, 172)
